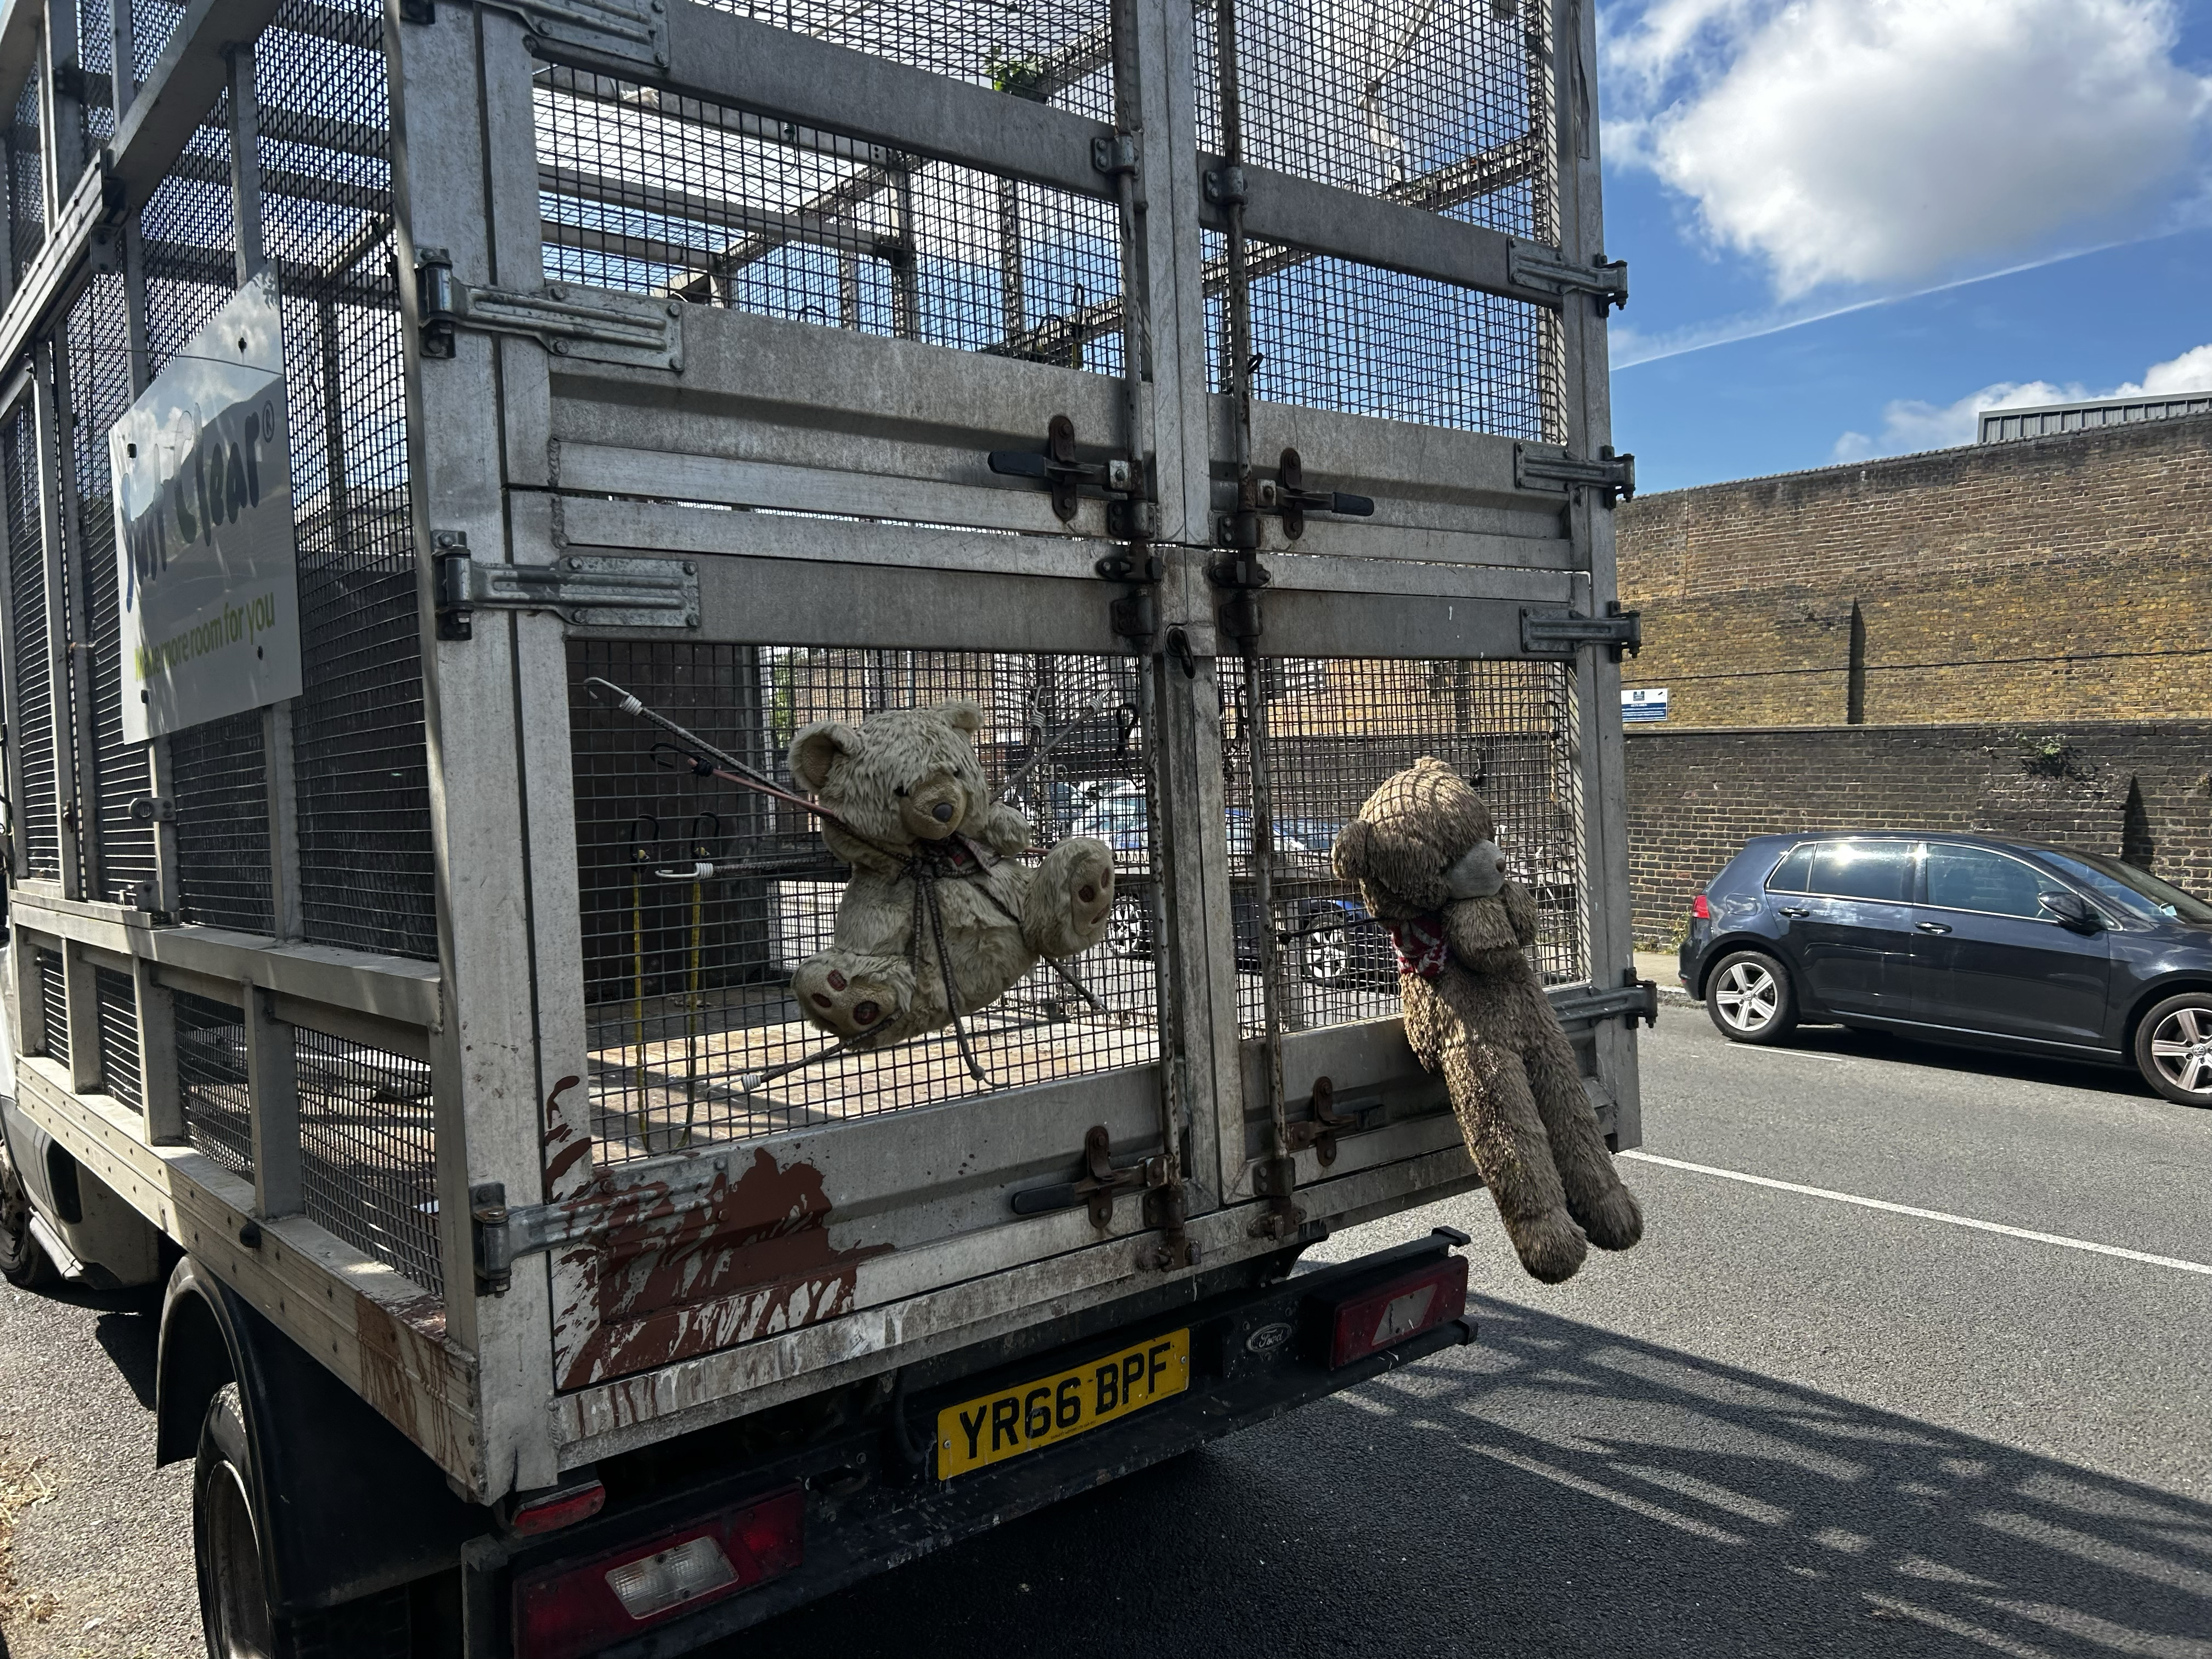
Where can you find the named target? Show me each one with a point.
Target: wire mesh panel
(1440, 104)
(220, 781)
(119, 1069)
(211, 1080)
(151, 22)
(53, 1002)
(694, 1035)
(368, 1151)
(1336, 728)
(191, 237)
(1054, 54)
(1328, 333)
(39, 825)
(95, 37)
(652, 193)
(98, 339)
(26, 188)
(367, 869)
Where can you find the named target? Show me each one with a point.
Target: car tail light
(576, 1607)
(557, 1510)
(1700, 909)
(1375, 1317)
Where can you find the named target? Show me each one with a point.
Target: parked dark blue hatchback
(1975, 940)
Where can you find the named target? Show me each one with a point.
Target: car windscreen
(1864, 870)
(2135, 891)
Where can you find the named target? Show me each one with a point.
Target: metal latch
(627, 30)
(583, 591)
(603, 327)
(1128, 519)
(1532, 265)
(1613, 475)
(1320, 1133)
(1563, 633)
(1289, 496)
(1632, 999)
(1100, 1184)
(153, 809)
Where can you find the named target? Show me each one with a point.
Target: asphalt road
(1787, 1423)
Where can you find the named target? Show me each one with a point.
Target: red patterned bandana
(1421, 947)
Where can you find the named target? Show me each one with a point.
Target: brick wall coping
(1643, 730)
(1919, 460)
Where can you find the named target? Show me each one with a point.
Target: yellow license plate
(994, 1427)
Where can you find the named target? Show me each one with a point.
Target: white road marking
(1926, 1215)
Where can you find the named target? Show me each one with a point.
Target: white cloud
(1910, 425)
(1885, 141)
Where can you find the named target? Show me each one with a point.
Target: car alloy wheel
(1748, 996)
(1127, 935)
(1328, 957)
(2173, 1048)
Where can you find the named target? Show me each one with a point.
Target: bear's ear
(1349, 856)
(962, 714)
(815, 748)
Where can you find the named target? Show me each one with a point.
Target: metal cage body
(1213, 402)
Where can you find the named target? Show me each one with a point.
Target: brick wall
(2064, 577)
(2140, 790)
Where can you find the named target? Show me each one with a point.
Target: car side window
(1864, 870)
(1976, 878)
(1791, 874)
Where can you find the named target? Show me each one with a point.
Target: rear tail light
(576, 1607)
(1701, 910)
(1371, 1318)
(556, 1510)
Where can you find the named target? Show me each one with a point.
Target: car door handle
(1933, 927)
(1794, 910)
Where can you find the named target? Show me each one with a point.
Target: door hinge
(1531, 264)
(1612, 475)
(599, 327)
(1563, 633)
(625, 31)
(583, 591)
(1632, 999)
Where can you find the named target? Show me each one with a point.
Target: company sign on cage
(206, 565)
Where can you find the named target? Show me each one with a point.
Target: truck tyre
(1750, 998)
(2173, 1048)
(22, 1263)
(234, 1610)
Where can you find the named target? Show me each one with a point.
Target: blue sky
(1849, 223)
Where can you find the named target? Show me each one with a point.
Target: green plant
(1018, 77)
(2049, 756)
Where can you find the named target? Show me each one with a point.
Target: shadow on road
(1559, 1490)
(1980, 1062)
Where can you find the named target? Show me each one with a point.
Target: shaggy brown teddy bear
(1425, 853)
(909, 803)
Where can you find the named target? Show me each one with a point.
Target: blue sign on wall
(1649, 704)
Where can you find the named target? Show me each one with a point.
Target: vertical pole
(160, 779)
(64, 109)
(11, 720)
(80, 995)
(246, 163)
(1012, 309)
(124, 81)
(157, 1056)
(27, 997)
(906, 264)
(509, 1062)
(60, 658)
(1589, 413)
(272, 1083)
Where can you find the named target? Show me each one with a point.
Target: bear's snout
(933, 809)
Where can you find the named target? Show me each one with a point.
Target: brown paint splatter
(743, 1260)
(568, 1157)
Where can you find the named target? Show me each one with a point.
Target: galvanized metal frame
(885, 527)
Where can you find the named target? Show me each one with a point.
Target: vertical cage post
(272, 1082)
(64, 697)
(60, 90)
(11, 719)
(81, 993)
(461, 92)
(1587, 409)
(159, 1093)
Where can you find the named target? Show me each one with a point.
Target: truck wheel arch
(362, 1510)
